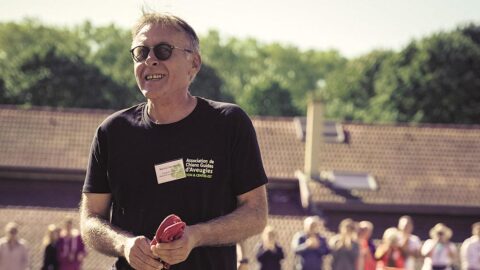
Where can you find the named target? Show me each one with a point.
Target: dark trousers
(121, 264)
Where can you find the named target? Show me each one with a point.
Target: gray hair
(167, 20)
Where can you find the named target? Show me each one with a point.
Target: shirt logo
(200, 168)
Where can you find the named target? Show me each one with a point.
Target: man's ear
(196, 64)
(197, 61)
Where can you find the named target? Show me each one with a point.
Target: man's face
(405, 225)
(68, 225)
(12, 233)
(313, 227)
(476, 231)
(161, 79)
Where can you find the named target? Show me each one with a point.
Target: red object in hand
(171, 228)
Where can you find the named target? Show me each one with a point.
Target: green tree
(269, 98)
(434, 80)
(19, 42)
(48, 66)
(471, 31)
(67, 81)
(350, 90)
(242, 64)
(209, 85)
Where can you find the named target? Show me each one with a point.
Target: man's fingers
(173, 256)
(141, 261)
(144, 246)
(139, 256)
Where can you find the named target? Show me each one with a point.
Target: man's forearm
(243, 222)
(100, 235)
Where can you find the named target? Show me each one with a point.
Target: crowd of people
(352, 248)
(63, 248)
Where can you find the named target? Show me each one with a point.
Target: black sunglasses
(162, 51)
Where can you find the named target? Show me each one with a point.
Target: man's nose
(151, 60)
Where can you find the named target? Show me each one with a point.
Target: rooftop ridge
(253, 117)
(18, 107)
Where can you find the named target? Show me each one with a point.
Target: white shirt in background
(470, 253)
(414, 244)
(439, 256)
(13, 257)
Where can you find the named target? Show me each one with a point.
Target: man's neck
(162, 111)
(12, 241)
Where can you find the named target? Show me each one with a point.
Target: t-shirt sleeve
(96, 180)
(247, 167)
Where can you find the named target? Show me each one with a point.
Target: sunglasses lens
(162, 51)
(140, 53)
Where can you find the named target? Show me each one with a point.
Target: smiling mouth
(153, 77)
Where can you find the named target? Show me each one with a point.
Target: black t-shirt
(212, 154)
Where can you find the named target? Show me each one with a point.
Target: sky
(353, 27)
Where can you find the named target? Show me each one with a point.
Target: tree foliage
(432, 80)
(246, 64)
(435, 79)
(350, 92)
(269, 98)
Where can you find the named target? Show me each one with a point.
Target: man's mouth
(153, 77)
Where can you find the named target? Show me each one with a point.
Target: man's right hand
(139, 256)
(312, 242)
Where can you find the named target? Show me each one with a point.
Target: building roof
(47, 138)
(434, 165)
(425, 165)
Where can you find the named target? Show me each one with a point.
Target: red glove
(171, 228)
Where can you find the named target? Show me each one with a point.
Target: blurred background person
(309, 245)
(470, 250)
(70, 248)
(242, 259)
(409, 242)
(269, 252)
(50, 252)
(367, 247)
(13, 250)
(389, 253)
(439, 252)
(344, 247)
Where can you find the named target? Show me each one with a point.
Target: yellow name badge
(170, 171)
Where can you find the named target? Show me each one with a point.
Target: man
(367, 247)
(409, 242)
(13, 250)
(175, 154)
(269, 253)
(439, 252)
(309, 245)
(470, 250)
(70, 248)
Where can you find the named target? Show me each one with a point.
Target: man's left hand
(178, 250)
(242, 266)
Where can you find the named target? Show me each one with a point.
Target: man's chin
(150, 93)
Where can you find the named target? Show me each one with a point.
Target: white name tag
(170, 171)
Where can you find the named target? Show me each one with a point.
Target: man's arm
(248, 219)
(100, 234)
(242, 259)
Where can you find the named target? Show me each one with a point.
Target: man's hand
(312, 242)
(139, 256)
(242, 266)
(178, 250)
